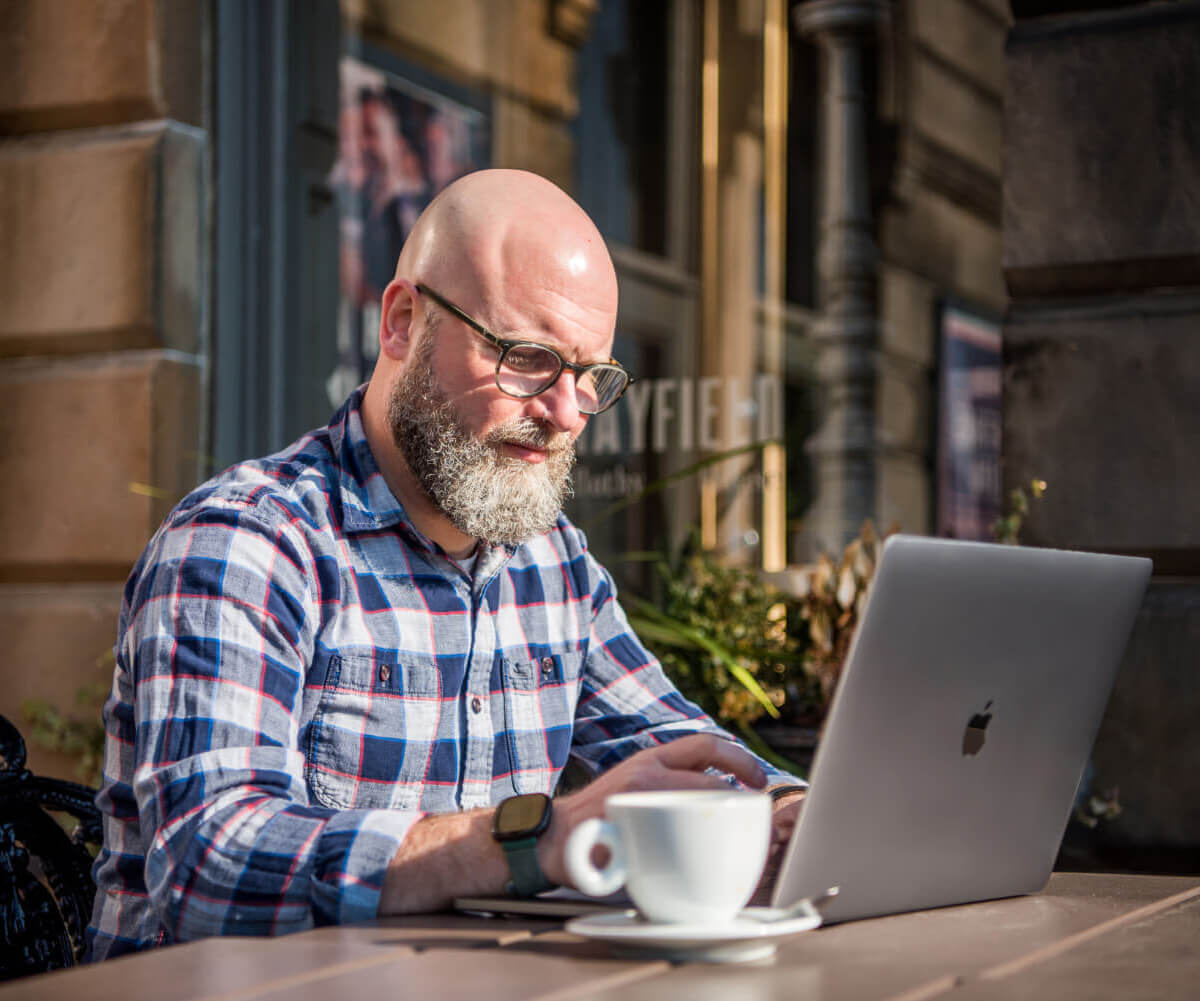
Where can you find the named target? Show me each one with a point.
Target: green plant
(1007, 528)
(81, 736)
(728, 639)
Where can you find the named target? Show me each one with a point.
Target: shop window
(623, 129)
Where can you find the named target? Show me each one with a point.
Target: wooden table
(1086, 936)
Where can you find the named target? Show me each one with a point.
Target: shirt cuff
(353, 854)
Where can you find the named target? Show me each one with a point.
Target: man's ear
(398, 310)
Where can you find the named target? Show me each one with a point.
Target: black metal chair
(46, 886)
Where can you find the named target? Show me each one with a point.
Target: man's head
(508, 252)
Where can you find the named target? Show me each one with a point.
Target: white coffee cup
(684, 856)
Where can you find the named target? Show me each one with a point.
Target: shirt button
(547, 666)
(476, 704)
(385, 673)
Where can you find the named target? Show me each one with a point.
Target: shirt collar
(368, 503)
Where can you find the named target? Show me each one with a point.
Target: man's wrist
(518, 825)
(785, 791)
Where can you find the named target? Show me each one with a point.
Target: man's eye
(530, 360)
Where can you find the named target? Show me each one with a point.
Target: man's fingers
(702, 750)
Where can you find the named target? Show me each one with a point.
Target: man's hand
(680, 764)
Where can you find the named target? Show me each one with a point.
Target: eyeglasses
(526, 368)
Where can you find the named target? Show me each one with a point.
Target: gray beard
(485, 495)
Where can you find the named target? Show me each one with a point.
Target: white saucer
(742, 940)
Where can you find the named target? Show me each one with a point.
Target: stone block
(103, 241)
(903, 406)
(525, 139)
(1000, 10)
(903, 500)
(525, 59)
(948, 245)
(964, 36)
(907, 303)
(96, 451)
(185, 47)
(957, 114)
(1147, 747)
(1101, 402)
(58, 640)
(1102, 181)
(508, 42)
(74, 63)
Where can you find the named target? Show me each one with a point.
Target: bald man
(349, 675)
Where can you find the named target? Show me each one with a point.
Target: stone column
(844, 448)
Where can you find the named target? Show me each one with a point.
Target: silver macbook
(966, 712)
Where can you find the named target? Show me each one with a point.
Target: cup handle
(586, 876)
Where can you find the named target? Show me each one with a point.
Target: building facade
(803, 201)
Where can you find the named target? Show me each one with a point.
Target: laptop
(958, 734)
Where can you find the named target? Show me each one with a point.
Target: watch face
(521, 816)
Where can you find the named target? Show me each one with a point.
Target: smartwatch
(518, 822)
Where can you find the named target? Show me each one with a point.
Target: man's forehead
(578, 329)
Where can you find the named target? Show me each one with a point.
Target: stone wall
(103, 245)
(1102, 367)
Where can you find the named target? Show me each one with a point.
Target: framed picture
(403, 135)
(969, 483)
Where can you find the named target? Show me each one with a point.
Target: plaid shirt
(301, 676)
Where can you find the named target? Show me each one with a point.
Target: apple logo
(976, 732)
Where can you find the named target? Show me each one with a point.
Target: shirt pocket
(539, 711)
(373, 732)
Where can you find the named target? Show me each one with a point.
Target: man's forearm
(451, 855)
(443, 857)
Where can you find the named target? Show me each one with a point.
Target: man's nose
(561, 405)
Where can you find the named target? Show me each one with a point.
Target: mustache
(532, 434)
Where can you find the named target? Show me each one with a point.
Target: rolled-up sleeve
(218, 650)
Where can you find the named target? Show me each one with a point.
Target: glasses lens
(527, 369)
(600, 387)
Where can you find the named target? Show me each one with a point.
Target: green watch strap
(527, 876)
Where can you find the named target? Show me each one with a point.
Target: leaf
(821, 576)
(847, 588)
(864, 564)
(867, 533)
(750, 683)
(680, 631)
(656, 632)
(821, 630)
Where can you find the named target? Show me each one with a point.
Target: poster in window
(970, 424)
(403, 135)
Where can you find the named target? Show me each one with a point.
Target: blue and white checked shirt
(301, 675)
